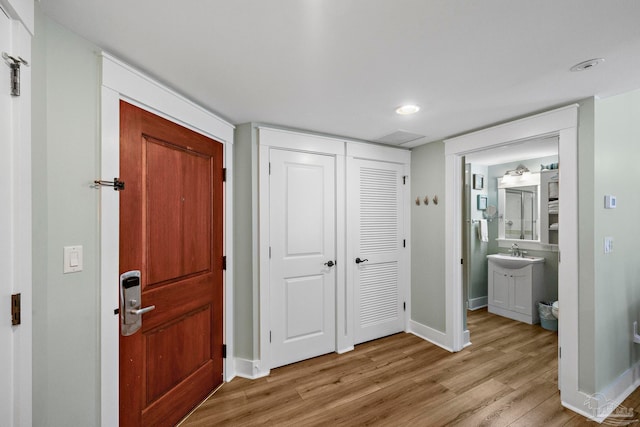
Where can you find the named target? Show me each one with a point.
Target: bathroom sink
(508, 261)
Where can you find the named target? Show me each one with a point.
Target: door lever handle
(330, 263)
(358, 260)
(142, 310)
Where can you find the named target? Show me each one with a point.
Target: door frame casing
(563, 123)
(18, 180)
(269, 138)
(122, 82)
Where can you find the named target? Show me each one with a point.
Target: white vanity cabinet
(515, 292)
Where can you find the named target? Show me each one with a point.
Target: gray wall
(617, 275)
(245, 250)
(586, 247)
(65, 212)
(427, 237)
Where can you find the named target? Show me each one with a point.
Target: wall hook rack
(116, 184)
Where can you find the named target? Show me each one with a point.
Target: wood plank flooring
(507, 377)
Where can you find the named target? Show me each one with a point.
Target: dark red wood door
(171, 229)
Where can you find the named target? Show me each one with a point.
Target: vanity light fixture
(585, 65)
(405, 110)
(521, 169)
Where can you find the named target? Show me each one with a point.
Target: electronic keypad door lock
(130, 303)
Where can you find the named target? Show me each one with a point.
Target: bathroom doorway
(505, 209)
(562, 122)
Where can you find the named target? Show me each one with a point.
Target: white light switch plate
(72, 259)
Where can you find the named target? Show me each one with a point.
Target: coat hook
(426, 200)
(435, 200)
(418, 201)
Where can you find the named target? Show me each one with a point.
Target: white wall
(65, 212)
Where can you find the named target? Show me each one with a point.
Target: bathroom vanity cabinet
(515, 292)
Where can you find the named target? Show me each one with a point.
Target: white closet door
(376, 230)
(302, 240)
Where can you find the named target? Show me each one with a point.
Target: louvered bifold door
(376, 224)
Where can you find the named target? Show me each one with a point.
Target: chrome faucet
(515, 250)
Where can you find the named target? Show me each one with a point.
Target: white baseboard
(429, 334)
(601, 405)
(249, 369)
(476, 303)
(466, 336)
(345, 350)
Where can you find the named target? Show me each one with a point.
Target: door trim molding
(120, 81)
(18, 179)
(275, 138)
(562, 122)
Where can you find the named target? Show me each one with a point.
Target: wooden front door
(171, 230)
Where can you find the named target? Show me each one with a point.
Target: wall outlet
(608, 245)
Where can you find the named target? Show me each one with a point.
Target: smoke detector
(585, 65)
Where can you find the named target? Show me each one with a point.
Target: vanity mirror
(519, 205)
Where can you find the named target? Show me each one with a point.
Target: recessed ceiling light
(407, 109)
(585, 65)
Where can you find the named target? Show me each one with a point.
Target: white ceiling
(342, 66)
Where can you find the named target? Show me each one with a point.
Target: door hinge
(224, 262)
(224, 351)
(15, 309)
(404, 306)
(269, 336)
(269, 168)
(462, 261)
(14, 65)
(269, 252)
(404, 180)
(404, 243)
(559, 352)
(224, 174)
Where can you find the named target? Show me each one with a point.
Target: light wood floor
(507, 377)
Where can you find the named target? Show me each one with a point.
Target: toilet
(554, 309)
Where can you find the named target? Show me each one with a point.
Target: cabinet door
(520, 295)
(499, 288)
